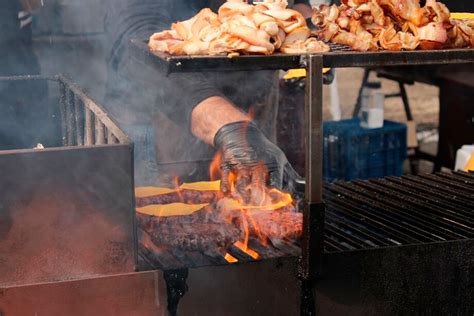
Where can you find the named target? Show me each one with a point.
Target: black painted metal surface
(421, 279)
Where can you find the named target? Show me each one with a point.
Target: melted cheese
(202, 186)
(143, 192)
(462, 16)
(173, 209)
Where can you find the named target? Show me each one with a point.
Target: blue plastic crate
(352, 152)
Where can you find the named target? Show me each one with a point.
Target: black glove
(253, 160)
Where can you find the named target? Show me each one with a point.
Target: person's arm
(209, 116)
(248, 157)
(193, 102)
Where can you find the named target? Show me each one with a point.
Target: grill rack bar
(340, 56)
(358, 202)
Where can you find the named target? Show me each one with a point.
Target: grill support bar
(313, 213)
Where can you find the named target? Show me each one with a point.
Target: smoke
(55, 236)
(88, 41)
(52, 225)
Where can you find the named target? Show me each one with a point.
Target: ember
(230, 259)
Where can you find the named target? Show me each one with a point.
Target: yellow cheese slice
(173, 209)
(299, 73)
(143, 192)
(461, 15)
(202, 186)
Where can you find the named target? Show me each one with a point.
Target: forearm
(212, 114)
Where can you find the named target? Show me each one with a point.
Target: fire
(215, 172)
(230, 259)
(177, 188)
(256, 196)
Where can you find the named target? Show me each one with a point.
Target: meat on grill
(200, 231)
(195, 236)
(183, 196)
(150, 222)
(277, 225)
(282, 223)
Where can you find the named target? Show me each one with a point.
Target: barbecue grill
(374, 248)
(313, 241)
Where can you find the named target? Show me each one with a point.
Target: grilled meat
(392, 25)
(183, 196)
(239, 28)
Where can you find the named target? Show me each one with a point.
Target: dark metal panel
(135, 294)
(66, 213)
(428, 279)
(267, 287)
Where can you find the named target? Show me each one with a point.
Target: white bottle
(372, 106)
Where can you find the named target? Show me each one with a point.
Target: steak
(279, 224)
(282, 223)
(204, 237)
(184, 196)
(200, 231)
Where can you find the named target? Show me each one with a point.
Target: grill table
(339, 56)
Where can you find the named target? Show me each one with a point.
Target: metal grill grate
(339, 47)
(399, 211)
(388, 212)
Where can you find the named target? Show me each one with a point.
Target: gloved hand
(245, 151)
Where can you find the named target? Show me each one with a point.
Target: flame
(230, 259)
(257, 197)
(215, 171)
(177, 188)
